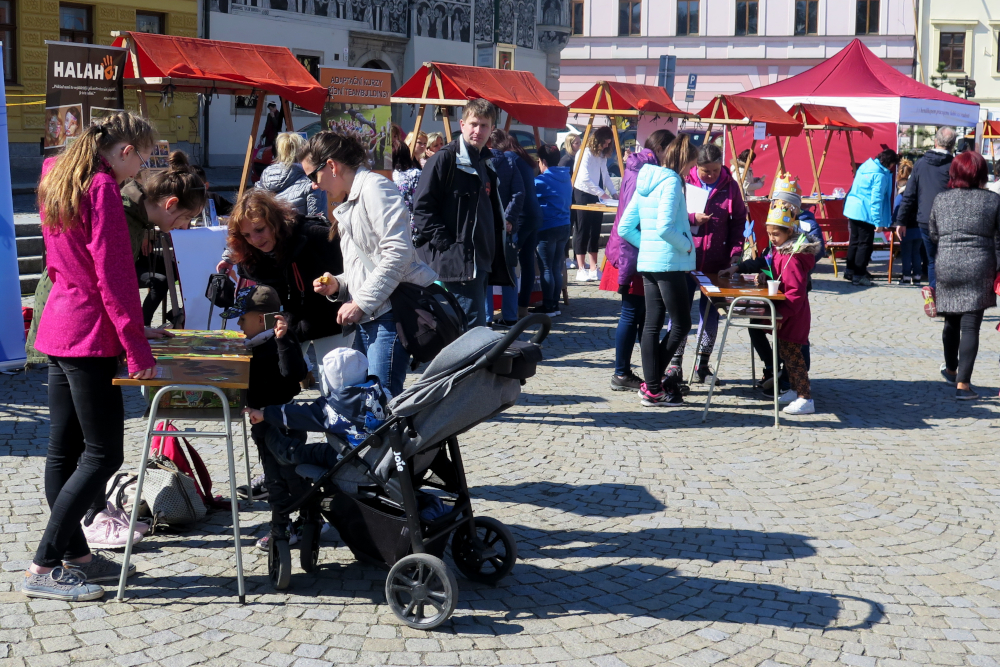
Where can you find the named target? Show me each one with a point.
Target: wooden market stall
(518, 93)
(167, 64)
(991, 133)
(615, 100)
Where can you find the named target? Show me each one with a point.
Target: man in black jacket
(276, 368)
(460, 229)
(929, 177)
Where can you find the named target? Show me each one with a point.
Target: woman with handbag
(965, 228)
(377, 245)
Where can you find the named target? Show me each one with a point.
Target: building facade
(25, 26)
(731, 45)
(958, 39)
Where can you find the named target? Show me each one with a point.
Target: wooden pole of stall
(812, 164)
(826, 148)
(614, 132)
(420, 111)
(447, 121)
(286, 110)
(777, 172)
(506, 125)
(708, 132)
(250, 142)
(538, 141)
(586, 134)
(140, 93)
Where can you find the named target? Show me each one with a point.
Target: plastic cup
(772, 287)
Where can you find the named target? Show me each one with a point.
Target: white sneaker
(582, 276)
(595, 274)
(800, 406)
(788, 397)
(107, 532)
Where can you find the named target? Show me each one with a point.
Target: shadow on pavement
(584, 500)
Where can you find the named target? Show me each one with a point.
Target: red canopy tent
(167, 64)
(518, 93)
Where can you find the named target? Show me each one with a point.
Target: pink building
(732, 45)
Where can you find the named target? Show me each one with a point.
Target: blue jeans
(910, 252)
(551, 255)
(515, 297)
(931, 248)
(387, 359)
(629, 328)
(471, 295)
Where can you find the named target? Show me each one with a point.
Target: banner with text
(358, 102)
(83, 84)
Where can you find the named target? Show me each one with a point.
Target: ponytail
(62, 187)
(178, 180)
(679, 153)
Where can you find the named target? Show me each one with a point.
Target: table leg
(774, 338)
(234, 500)
(246, 459)
(718, 362)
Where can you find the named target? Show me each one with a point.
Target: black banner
(83, 84)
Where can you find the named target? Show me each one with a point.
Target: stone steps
(30, 249)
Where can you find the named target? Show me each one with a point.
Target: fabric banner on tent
(12, 333)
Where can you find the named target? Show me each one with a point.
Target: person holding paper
(718, 239)
(592, 180)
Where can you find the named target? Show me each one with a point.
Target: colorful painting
(194, 343)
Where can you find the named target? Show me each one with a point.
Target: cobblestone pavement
(862, 535)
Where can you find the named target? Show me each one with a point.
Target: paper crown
(781, 215)
(787, 189)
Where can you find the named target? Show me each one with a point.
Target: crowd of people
(471, 214)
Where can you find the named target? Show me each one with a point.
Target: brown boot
(308, 382)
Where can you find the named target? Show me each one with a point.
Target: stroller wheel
(309, 547)
(279, 563)
(492, 558)
(421, 591)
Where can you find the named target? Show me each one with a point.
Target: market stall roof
(626, 97)
(859, 80)
(189, 64)
(991, 129)
(518, 93)
(732, 110)
(822, 117)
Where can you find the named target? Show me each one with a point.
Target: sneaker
(930, 305)
(950, 379)
(595, 274)
(583, 276)
(263, 542)
(863, 281)
(788, 397)
(60, 584)
(100, 568)
(505, 324)
(570, 264)
(664, 399)
(675, 376)
(766, 380)
(257, 489)
(107, 532)
(141, 527)
(849, 276)
(628, 382)
(705, 373)
(800, 406)
(966, 395)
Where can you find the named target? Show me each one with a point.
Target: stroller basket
(375, 533)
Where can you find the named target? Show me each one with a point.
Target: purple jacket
(622, 254)
(721, 239)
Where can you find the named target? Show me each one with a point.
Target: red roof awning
(626, 97)
(827, 116)
(991, 129)
(727, 108)
(518, 93)
(272, 69)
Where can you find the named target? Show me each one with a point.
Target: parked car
(697, 135)
(570, 129)
(527, 141)
(264, 157)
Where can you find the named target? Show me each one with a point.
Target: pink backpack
(169, 447)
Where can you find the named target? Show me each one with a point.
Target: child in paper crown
(790, 258)
(353, 407)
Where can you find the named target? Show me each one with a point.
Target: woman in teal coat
(656, 221)
(868, 207)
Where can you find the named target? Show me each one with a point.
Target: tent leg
(812, 165)
(250, 142)
(506, 125)
(286, 109)
(447, 128)
(583, 146)
(416, 126)
(740, 171)
(538, 141)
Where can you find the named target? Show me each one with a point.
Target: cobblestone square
(862, 535)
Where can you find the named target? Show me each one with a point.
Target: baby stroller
(397, 497)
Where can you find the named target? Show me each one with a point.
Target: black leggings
(151, 273)
(588, 225)
(961, 342)
(86, 447)
(283, 484)
(666, 294)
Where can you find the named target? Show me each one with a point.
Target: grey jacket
(377, 244)
(290, 183)
(965, 225)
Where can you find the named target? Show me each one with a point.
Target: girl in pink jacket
(92, 317)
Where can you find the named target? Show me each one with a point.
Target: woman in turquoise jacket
(656, 221)
(868, 206)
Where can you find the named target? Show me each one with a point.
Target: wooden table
(738, 296)
(225, 367)
(601, 208)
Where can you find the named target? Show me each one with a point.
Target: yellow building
(25, 26)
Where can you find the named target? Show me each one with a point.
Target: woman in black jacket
(271, 244)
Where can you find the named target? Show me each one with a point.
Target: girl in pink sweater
(92, 317)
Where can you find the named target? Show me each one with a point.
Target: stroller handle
(537, 318)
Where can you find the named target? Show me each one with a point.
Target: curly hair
(600, 135)
(258, 206)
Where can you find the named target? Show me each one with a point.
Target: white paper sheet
(607, 201)
(697, 198)
(198, 251)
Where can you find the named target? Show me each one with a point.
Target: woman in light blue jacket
(656, 221)
(868, 207)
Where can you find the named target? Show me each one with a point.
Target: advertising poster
(12, 332)
(83, 84)
(358, 102)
